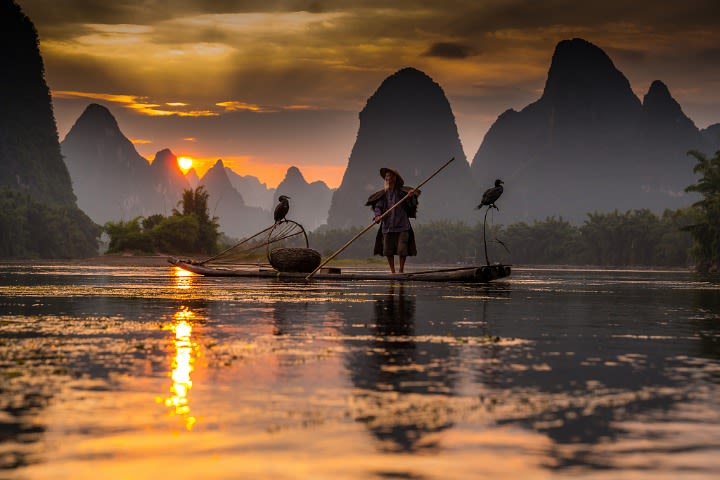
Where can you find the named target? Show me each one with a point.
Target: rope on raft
(251, 248)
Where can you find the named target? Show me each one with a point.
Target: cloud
(268, 58)
(450, 50)
(137, 104)
(234, 106)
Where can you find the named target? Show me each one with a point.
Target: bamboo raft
(476, 274)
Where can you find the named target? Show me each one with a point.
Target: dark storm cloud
(476, 17)
(462, 22)
(450, 50)
(80, 73)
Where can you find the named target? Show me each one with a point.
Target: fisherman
(395, 236)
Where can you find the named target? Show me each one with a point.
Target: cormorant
(282, 208)
(491, 195)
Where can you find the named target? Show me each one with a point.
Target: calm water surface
(133, 372)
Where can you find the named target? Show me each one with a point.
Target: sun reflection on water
(181, 366)
(183, 278)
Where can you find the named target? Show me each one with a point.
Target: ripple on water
(136, 373)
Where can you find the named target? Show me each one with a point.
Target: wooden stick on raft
(411, 192)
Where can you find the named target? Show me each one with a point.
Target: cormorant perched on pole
(489, 198)
(491, 195)
(282, 209)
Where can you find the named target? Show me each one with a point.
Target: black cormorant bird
(491, 195)
(282, 208)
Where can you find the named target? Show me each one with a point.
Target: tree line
(30, 228)
(636, 237)
(705, 230)
(188, 230)
(680, 237)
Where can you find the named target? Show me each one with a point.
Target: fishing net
(257, 249)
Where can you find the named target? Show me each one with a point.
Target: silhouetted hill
(192, 178)
(218, 184)
(168, 181)
(29, 148)
(588, 144)
(39, 216)
(407, 124)
(235, 218)
(255, 193)
(309, 202)
(711, 138)
(112, 181)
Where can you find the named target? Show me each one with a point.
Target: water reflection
(182, 278)
(592, 375)
(399, 377)
(182, 365)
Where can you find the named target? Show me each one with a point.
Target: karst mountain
(407, 124)
(309, 202)
(39, 217)
(589, 144)
(235, 217)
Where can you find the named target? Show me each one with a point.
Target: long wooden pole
(487, 262)
(236, 245)
(411, 192)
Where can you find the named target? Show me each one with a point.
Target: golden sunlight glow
(270, 172)
(185, 163)
(183, 278)
(138, 104)
(182, 366)
(180, 272)
(234, 106)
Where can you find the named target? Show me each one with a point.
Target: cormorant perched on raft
(282, 209)
(491, 195)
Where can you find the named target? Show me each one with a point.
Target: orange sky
(273, 83)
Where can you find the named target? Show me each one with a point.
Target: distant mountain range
(226, 203)
(113, 182)
(309, 202)
(589, 144)
(255, 193)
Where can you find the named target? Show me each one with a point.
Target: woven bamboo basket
(303, 260)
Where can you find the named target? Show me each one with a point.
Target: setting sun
(185, 163)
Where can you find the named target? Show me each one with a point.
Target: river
(119, 372)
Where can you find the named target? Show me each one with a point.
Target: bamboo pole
(235, 246)
(374, 222)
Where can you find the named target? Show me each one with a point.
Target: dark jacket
(410, 205)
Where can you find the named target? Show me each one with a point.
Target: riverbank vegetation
(683, 237)
(632, 238)
(705, 230)
(188, 230)
(33, 229)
